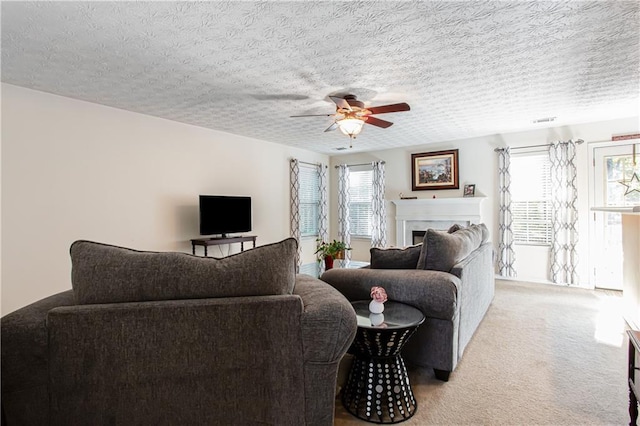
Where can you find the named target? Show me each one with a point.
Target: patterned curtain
(564, 213)
(323, 225)
(295, 206)
(344, 231)
(378, 208)
(506, 255)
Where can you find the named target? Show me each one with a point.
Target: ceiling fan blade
(389, 108)
(379, 123)
(332, 127)
(342, 103)
(312, 115)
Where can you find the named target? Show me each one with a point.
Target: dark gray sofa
(449, 278)
(173, 339)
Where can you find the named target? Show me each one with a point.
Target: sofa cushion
(395, 258)
(104, 273)
(445, 250)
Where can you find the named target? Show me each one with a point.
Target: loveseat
(146, 338)
(449, 277)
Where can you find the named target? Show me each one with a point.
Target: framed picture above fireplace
(434, 170)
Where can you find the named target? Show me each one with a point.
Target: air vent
(545, 120)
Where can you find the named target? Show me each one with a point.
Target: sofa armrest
(435, 293)
(24, 342)
(478, 289)
(25, 360)
(478, 257)
(328, 327)
(328, 321)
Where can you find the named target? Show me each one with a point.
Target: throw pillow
(422, 259)
(455, 227)
(479, 234)
(103, 273)
(395, 258)
(445, 250)
(484, 231)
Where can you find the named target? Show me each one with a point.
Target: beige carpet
(543, 355)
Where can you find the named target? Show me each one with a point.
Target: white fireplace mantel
(438, 213)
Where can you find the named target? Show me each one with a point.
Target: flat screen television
(222, 215)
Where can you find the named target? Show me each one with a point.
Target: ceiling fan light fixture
(350, 126)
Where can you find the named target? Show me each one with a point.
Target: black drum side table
(378, 388)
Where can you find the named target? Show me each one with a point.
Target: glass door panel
(611, 166)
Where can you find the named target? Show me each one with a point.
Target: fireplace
(414, 217)
(417, 236)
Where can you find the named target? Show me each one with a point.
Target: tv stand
(224, 239)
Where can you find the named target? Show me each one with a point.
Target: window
(309, 194)
(360, 196)
(531, 198)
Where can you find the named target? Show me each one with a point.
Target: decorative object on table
(434, 170)
(378, 297)
(633, 184)
(330, 251)
(377, 320)
(469, 190)
(403, 197)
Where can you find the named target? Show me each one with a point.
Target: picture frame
(434, 170)
(469, 190)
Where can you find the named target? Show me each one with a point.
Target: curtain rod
(309, 164)
(578, 141)
(361, 164)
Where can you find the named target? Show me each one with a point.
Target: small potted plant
(330, 251)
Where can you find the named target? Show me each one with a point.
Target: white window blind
(309, 194)
(360, 196)
(531, 198)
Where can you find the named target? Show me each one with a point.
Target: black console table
(215, 241)
(634, 348)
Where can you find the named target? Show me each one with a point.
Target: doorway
(611, 165)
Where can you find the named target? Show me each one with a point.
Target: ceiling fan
(351, 114)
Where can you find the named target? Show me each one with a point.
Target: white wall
(76, 170)
(478, 164)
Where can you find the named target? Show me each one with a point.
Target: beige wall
(76, 170)
(478, 164)
(73, 170)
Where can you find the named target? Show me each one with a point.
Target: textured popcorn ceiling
(466, 68)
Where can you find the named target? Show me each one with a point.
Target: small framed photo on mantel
(434, 170)
(469, 190)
